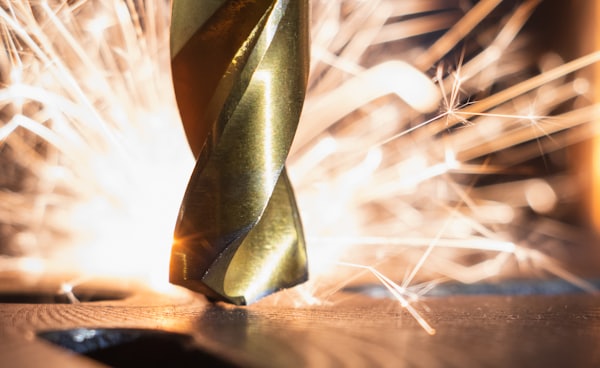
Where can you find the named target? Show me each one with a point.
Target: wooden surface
(351, 330)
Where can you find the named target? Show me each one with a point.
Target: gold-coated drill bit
(239, 72)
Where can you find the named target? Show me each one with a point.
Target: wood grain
(350, 330)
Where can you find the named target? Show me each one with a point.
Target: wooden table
(351, 329)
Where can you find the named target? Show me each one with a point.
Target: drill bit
(239, 72)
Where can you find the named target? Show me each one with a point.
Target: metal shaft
(239, 72)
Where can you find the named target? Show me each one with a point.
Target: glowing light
(117, 160)
(97, 25)
(540, 196)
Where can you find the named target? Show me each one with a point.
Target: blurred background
(442, 141)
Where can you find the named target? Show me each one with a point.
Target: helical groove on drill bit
(239, 72)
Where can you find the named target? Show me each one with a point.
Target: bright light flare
(90, 88)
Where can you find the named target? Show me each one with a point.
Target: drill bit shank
(239, 72)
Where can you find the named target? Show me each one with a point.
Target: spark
(66, 289)
(398, 292)
(392, 141)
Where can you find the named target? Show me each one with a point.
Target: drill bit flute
(239, 72)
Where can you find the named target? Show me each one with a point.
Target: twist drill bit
(239, 72)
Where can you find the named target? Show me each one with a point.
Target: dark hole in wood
(135, 347)
(47, 297)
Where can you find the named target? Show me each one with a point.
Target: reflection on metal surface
(239, 71)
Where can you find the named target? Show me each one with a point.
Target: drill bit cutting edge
(239, 72)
